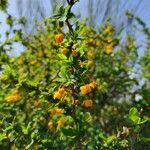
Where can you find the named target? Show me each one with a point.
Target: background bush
(74, 87)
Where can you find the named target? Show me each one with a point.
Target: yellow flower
(90, 54)
(59, 94)
(109, 49)
(61, 122)
(59, 38)
(93, 85)
(33, 62)
(98, 43)
(74, 53)
(64, 51)
(57, 111)
(81, 63)
(108, 29)
(109, 39)
(37, 103)
(13, 98)
(61, 90)
(90, 63)
(90, 41)
(85, 89)
(88, 103)
(50, 125)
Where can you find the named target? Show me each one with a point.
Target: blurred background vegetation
(96, 11)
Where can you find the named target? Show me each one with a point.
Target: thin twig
(71, 3)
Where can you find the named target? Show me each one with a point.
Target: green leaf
(110, 139)
(68, 131)
(88, 117)
(3, 4)
(9, 20)
(28, 146)
(134, 116)
(143, 121)
(62, 19)
(32, 93)
(22, 20)
(145, 139)
(2, 136)
(63, 72)
(25, 130)
(62, 56)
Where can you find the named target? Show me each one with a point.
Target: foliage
(3, 4)
(72, 88)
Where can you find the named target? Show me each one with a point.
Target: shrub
(71, 89)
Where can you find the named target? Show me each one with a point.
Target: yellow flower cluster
(98, 43)
(33, 62)
(93, 84)
(109, 49)
(57, 111)
(61, 122)
(90, 53)
(59, 94)
(108, 29)
(106, 41)
(15, 97)
(90, 63)
(85, 89)
(37, 103)
(88, 87)
(64, 51)
(88, 103)
(50, 125)
(90, 56)
(74, 53)
(109, 45)
(90, 41)
(59, 38)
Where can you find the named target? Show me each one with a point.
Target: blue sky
(143, 12)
